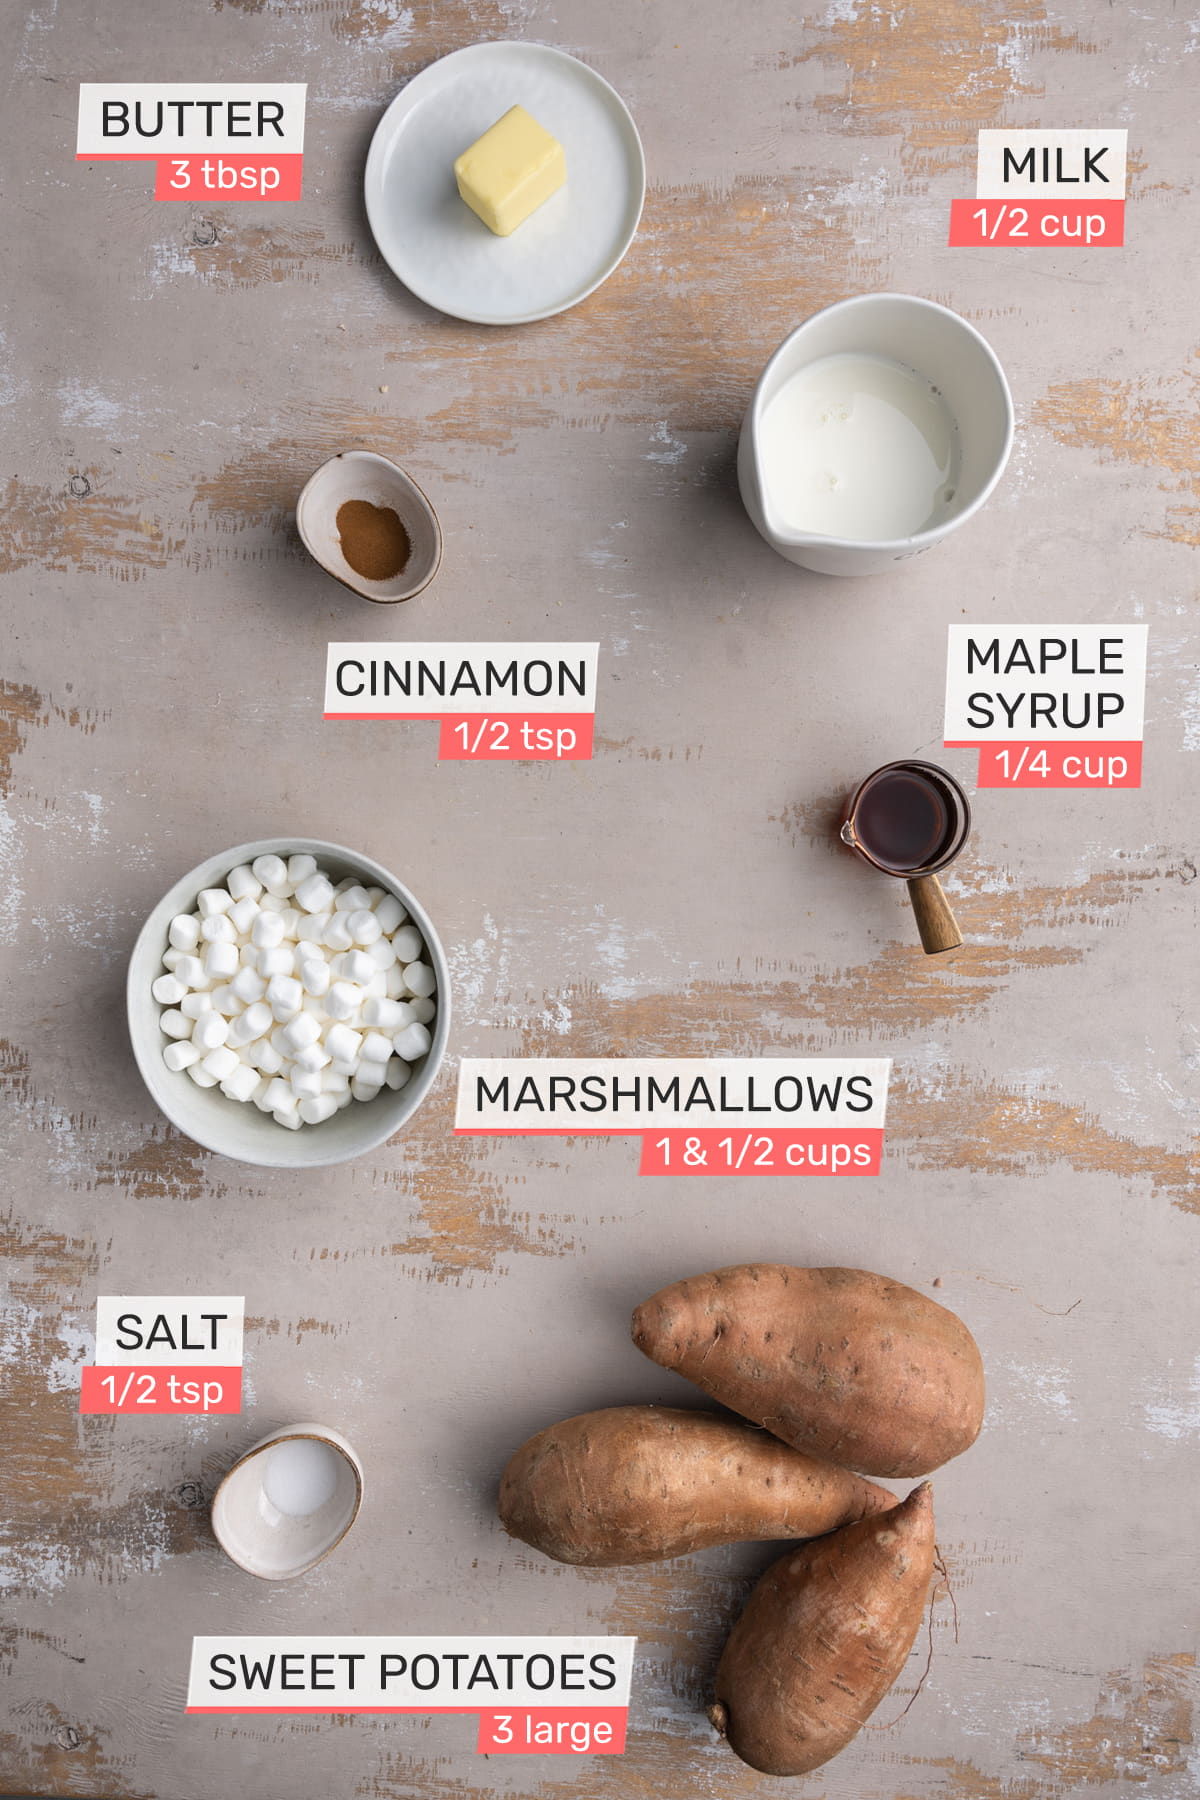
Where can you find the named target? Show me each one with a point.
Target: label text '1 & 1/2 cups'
(1048, 705)
(704, 1115)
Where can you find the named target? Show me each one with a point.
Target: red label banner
(1037, 224)
(553, 1731)
(1067, 765)
(190, 1388)
(818, 1151)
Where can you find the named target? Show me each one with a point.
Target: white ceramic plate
(433, 241)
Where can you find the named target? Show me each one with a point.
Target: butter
(509, 171)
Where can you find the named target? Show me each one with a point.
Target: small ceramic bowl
(288, 1501)
(239, 1130)
(365, 475)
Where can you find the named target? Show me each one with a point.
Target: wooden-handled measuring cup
(911, 819)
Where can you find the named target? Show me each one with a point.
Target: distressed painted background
(170, 376)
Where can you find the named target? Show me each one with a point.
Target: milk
(859, 447)
(300, 1476)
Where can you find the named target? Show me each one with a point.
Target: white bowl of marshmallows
(289, 1003)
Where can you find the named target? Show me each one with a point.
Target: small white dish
(365, 475)
(239, 1131)
(288, 1501)
(921, 336)
(432, 240)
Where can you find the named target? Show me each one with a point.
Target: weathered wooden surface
(171, 374)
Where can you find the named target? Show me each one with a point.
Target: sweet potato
(632, 1484)
(849, 1367)
(823, 1637)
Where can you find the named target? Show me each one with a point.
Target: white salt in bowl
(288, 1501)
(365, 475)
(238, 1130)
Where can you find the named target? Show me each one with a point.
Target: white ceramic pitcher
(952, 357)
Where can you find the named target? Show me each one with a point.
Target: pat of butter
(508, 172)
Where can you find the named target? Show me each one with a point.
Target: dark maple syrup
(906, 820)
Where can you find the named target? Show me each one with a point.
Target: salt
(300, 1476)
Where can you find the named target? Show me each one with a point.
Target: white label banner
(566, 1095)
(406, 681)
(157, 118)
(176, 1330)
(407, 1674)
(1040, 165)
(1052, 683)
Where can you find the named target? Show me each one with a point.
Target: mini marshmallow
(175, 1024)
(221, 1062)
(272, 872)
(253, 1023)
(242, 915)
(224, 1000)
(290, 920)
(387, 1015)
(279, 960)
(219, 929)
(192, 1005)
(300, 1032)
(279, 1096)
(190, 970)
(412, 1042)
(274, 903)
(407, 943)
(312, 927)
(382, 954)
(301, 867)
(284, 996)
(200, 1075)
(393, 983)
(267, 931)
(180, 1056)
(172, 959)
(337, 932)
(243, 1084)
(376, 988)
(314, 893)
(365, 1090)
(357, 966)
(267, 1059)
(313, 1112)
(223, 960)
(343, 1044)
(390, 913)
(248, 985)
(397, 1073)
(343, 1000)
(210, 1031)
(243, 883)
(213, 900)
(349, 1069)
(315, 977)
(353, 899)
(365, 927)
(376, 1048)
(420, 979)
(168, 990)
(306, 1084)
(290, 1121)
(333, 1082)
(183, 933)
(424, 1009)
(313, 1056)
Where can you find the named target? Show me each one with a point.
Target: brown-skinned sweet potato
(824, 1635)
(633, 1484)
(847, 1366)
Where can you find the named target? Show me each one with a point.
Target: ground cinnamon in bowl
(373, 540)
